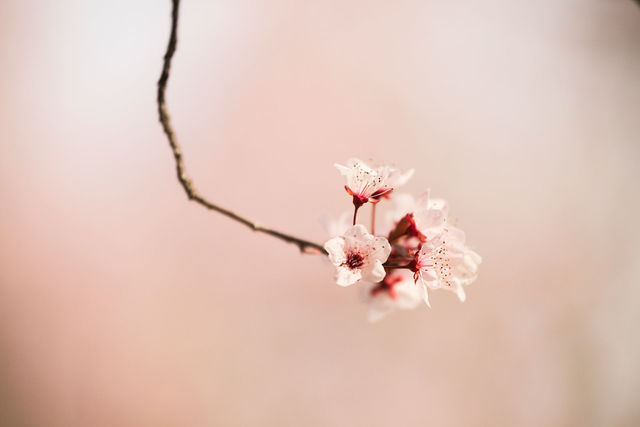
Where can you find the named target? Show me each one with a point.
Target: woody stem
(373, 218)
(393, 267)
(305, 246)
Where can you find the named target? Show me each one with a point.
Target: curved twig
(304, 245)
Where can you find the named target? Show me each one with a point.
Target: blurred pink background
(122, 304)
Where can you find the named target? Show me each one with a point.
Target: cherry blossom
(429, 215)
(363, 181)
(358, 255)
(465, 273)
(397, 291)
(444, 262)
(421, 251)
(420, 242)
(394, 179)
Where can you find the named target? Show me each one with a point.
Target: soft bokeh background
(121, 304)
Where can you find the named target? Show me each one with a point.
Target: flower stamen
(354, 260)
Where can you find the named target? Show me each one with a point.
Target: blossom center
(354, 260)
(359, 199)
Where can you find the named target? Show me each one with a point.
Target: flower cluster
(417, 249)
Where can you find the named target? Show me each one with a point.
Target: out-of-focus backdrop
(122, 304)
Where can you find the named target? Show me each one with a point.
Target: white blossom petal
(344, 170)
(374, 272)
(358, 254)
(408, 295)
(346, 276)
(381, 249)
(474, 257)
(459, 289)
(401, 293)
(404, 204)
(425, 295)
(401, 178)
(422, 202)
(358, 232)
(335, 249)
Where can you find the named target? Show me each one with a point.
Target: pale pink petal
(455, 235)
(403, 178)
(430, 221)
(467, 272)
(335, 249)
(431, 245)
(439, 204)
(354, 161)
(344, 170)
(358, 232)
(374, 272)
(422, 202)
(477, 259)
(404, 204)
(460, 292)
(347, 277)
(408, 295)
(381, 249)
(425, 294)
(470, 263)
(430, 279)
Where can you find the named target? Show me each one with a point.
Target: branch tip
(305, 246)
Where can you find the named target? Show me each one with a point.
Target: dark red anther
(354, 260)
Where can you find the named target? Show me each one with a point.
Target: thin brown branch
(304, 245)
